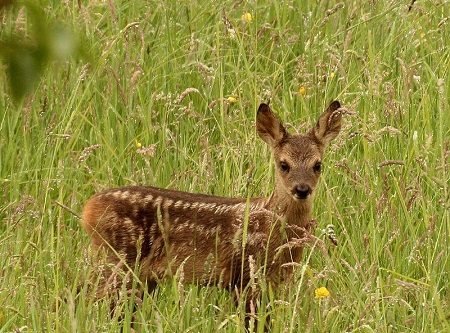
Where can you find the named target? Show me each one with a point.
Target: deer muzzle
(301, 191)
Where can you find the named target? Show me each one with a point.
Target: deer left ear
(328, 125)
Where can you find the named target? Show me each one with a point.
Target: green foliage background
(149, 103)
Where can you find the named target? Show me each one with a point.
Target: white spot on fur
(148, 198)
(207, 206)
(179, 204)
(178, 227)
(128, 222)
(153, 229)
(135, 198)
(116, 194)
(135, 211)
(167, 203)
(157, 202)
(222, 209)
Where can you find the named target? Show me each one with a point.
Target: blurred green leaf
(24, 66)
(61, 42)
(27, 55)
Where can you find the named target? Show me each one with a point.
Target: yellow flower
(247, 17)
(332, 75)
(232, 99)
(302, 91)
(137, 144)
(321, 292)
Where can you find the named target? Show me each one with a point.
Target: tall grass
(385, 188)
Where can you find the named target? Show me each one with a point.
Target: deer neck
(294, 212)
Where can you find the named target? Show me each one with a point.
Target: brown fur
(164, 231)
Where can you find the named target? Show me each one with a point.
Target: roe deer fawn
(210, 238)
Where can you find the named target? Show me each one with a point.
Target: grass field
(168, 95)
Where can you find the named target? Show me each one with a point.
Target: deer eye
(317, 167)
(284, 167)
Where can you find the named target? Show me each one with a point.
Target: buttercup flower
(321, 292)
(232, 99)
(137, 144)
(302, 91)
(247, 17)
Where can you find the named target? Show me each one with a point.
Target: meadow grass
(182, 80)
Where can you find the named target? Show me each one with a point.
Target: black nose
(301, 191)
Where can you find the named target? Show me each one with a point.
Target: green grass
(390, 271)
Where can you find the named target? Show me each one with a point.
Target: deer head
(298, 157)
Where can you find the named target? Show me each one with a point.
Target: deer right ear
(269, 126)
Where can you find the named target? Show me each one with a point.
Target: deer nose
(301, 191)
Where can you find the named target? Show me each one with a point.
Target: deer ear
(328, 125)
(269, 126)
